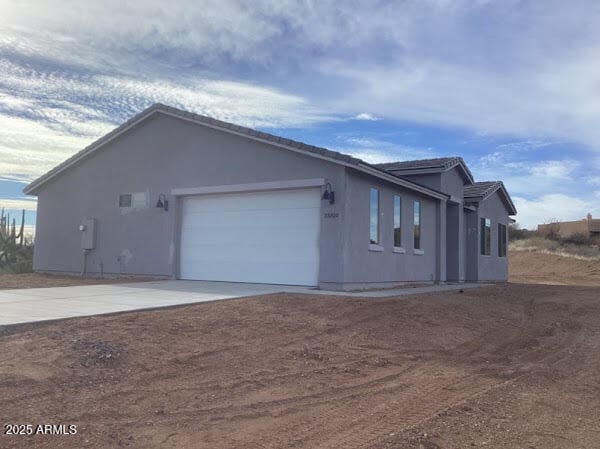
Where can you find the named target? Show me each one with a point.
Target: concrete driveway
(40, 304)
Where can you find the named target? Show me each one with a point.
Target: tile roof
(441, 163)
(481, 190)
(258, 134)
(212, 122)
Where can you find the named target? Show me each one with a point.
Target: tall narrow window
(397, 221)
(485, 234)
(374, 217)
(502, 240)
(417, 223)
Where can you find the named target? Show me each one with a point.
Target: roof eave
(434, 169)
(507, 200)
(32, 187)
(324, 154)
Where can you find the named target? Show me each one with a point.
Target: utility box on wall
(88, 233)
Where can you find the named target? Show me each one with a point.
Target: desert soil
(540, 268)
(509, 366)
(38, 280)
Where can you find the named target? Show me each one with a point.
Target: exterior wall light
(328, 194)
(162, 202)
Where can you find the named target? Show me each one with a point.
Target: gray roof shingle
(481, 190)
(442, 163)
(212, 122)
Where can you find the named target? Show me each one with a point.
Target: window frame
(485, 236)
(397, 221)
(417, 215)
(374, 214)
(502, 240)
(122, 204)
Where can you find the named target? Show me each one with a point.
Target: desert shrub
(559, 246)
(577, 238)
(551, 231)
(21, 260)
(16, 251)
(516, 233)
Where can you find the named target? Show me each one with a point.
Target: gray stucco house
(175, 194)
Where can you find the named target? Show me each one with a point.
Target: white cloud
(529, 179)
(553, 170)
(18, 204)
(552, 207)
(376, 151)
(493, 67)
(593, 180)
(372, 156)
(38, 135)
(29, 148)
(365, 116)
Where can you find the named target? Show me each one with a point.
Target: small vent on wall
(137, 200)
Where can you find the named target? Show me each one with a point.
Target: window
(374, 217)
(501, 240)
(125, 200)
(417, 222)
(397, 221)
(485, 235)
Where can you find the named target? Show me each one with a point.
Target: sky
(512, 86)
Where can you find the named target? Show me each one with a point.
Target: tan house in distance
(589, 227)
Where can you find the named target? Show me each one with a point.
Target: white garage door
(264, 237)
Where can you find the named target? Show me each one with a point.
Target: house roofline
(270, 139)
(435, 168)
(498, 185)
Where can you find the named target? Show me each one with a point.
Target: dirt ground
(38, 280)
(525, 267)
(509, 366)
(538, 268)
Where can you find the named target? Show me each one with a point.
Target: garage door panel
(270, 237)
(274, 229)
(265, 216)
(302, 198)
(247, 272)
(250, 253)
(295, 221)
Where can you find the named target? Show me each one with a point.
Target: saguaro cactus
(11, 241)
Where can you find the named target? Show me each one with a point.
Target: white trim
(34, 185)
(398, 249)
(418, 252)
(250, 187)
(376, 248)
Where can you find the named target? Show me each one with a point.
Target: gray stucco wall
(160, 154)
(163, 153)
(493, 267)
(364, 266)
(453, 238)
(431, 180)
(452, 183)
(472, 245)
